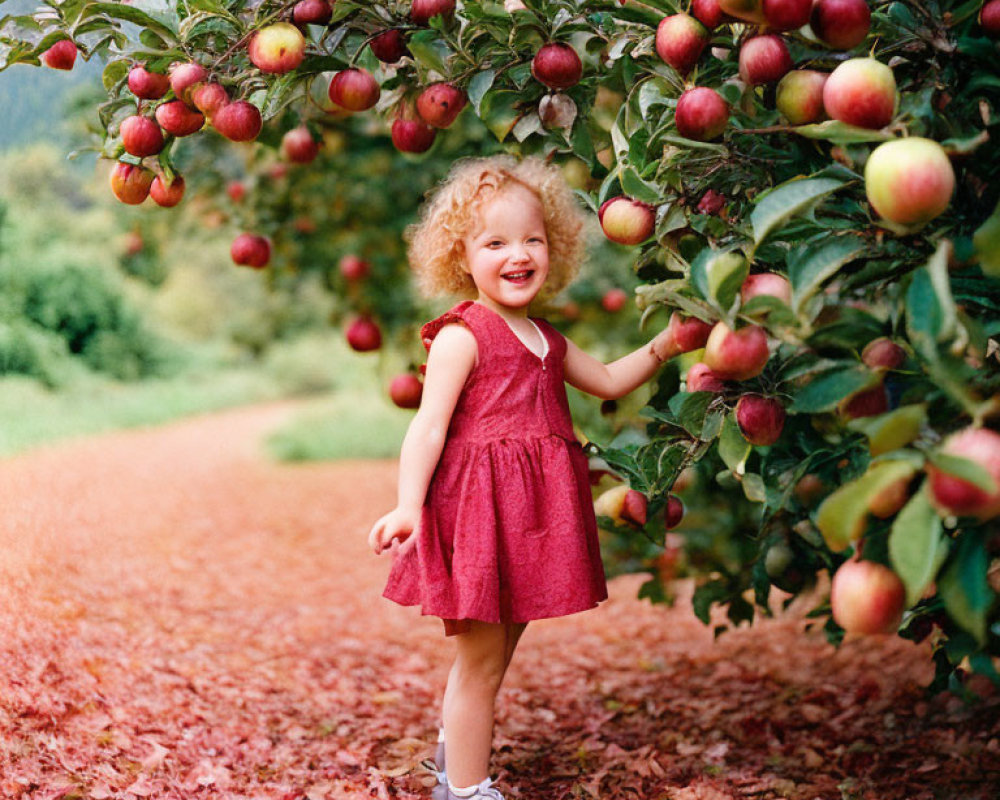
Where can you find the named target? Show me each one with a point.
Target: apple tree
(809, 195)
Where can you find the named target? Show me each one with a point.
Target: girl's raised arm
(449, 362)
(614, 380)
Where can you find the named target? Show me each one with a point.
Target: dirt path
(180, 618)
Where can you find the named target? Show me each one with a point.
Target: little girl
(494, 524)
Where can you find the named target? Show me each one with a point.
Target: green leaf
(114, 73)
(964, 587)
(825, 391)
(841, 133)
(930, 309)
(637, 188)
(718, 275)
(891, 430)
(500, 111)
(917, 545)
(790, 199)
(964, 468)
(163, 24)
(479, 86)
(986, 241)
(754, 488)
(733, 448)
(690, 409)
(429, 51)
(705, 596)
(842, 516)
(811, 264)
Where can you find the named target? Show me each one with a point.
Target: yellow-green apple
(147, 85)
(440, 103)
(312, 12)
(951, 494)
(130, 183)
(614, 300)
(840, 24)
(768, 284)
(867, 598)
(711, 202)
(707, 12)
(891, 499)
(421, 11)
(141, 136)
(862, 92)
(989, 18)
(277, 48)
(250, 250)
(883, 353)
(412, 135)
(700, 378)
(673, 513)
(354, 89)
(299, 146)
(167, 194)
(184, 77)
(353, 268)
(746, 10)
(363, 335)
(389, 46)
(799, 98)
(557, 111)
(236, 190)
(177, 118)
(680, 39)
(406, 390)
(62, 55)
(760, 419)
(627, 221)
(239, 121)
(609, 503)
(736, 355)
(865, 403)
(701, 114)
(764, 59)
(209, 98)
(786, 15)
(557, 65)
(909, 181)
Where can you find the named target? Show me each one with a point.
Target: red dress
(507, 533)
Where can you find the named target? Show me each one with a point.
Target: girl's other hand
(398, 526)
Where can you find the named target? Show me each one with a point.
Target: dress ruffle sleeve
(433, 328)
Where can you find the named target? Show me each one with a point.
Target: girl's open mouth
(519, 277)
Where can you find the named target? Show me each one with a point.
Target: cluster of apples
(628, 507)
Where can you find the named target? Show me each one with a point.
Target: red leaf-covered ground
(180, 618)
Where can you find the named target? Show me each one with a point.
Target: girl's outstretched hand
(398, 526)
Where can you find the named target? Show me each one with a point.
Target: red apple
(167, 194)
(685, 334)
(412, 135)
(62, 55)
(768, 284)
(840, 24)
(422, 10)
(354, 89)
(736, 355)
(627, 221)
(866, 597)
(141, 136)
(761, 419)
(354, 268)
(764, 59)
(440, 103)
(786, 15)
(557, 66)
(133, 243)
(208, 98)
(363, 335)
(680, 38)
(711, 202)
(406, 390)
(989, 18)
(277, 48)
(239, 121)
(389, 46)
(673, 513)
(614, 300)
(700, 378)
(909, 181)
(883, 353)
(185, 77)
(175, 117)
(236, 191)
(311, 12)
(147, 85)
(251, 250)
(707, 12)
(953, 495)
(865, 403)
(800, 96)
(862, 92)
(701, 114)
(298, 145)
(634, 508)
(130, 183)
(304, 224)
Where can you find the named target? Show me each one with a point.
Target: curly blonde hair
(435, 241)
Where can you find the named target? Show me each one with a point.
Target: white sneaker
(484, 791)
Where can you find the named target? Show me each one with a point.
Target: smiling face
(507, 251)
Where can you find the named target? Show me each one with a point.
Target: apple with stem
(130, 183)
(406, 390)
(861, 92)
(299, 146)
(760, 419)
(883, 353)
(277, 49)
(700, 378)
(208, 98)
(179, 119)
(840, 24)
(766, 284)
(440, 103)
(312, 12)
(354, 89)
(764, 59)
(680, 40)
(736, 355)
(167, 194)
(557, 65)
(909, 181)
(363, 335)
(673, 513)
(185, 77)
(388, 46)
(412, 135)
(799, 98)
(701, 114)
